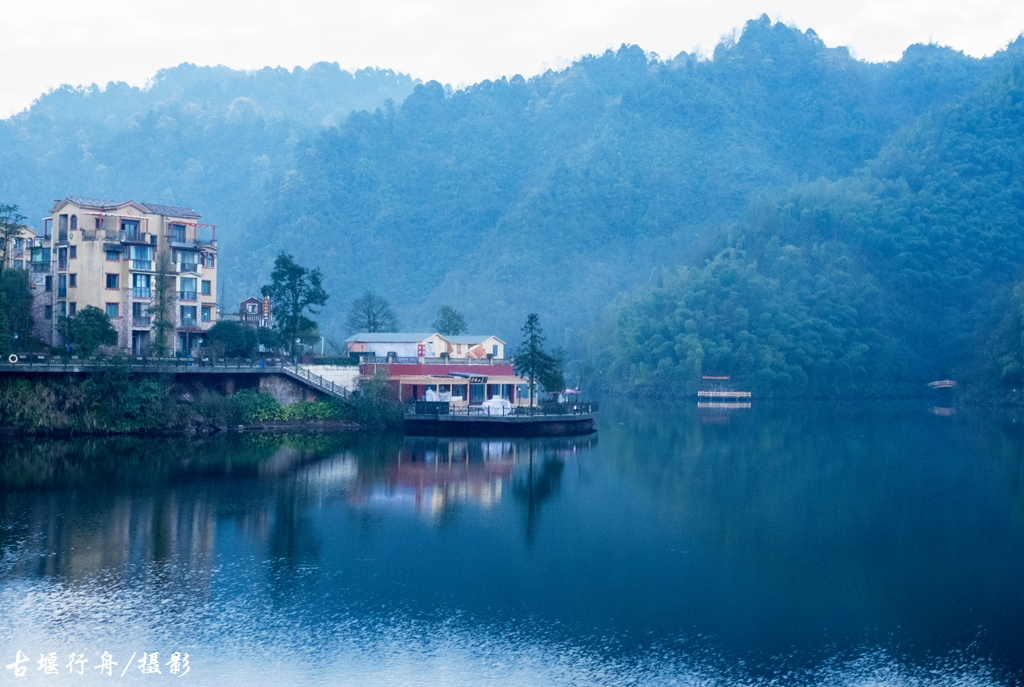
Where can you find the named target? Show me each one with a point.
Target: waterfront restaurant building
(108, 254)
(463, 370)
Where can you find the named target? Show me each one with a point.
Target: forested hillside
(899, 274)
(779, 210)
(207, 137)
(556, 193)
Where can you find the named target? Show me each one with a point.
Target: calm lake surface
(785, 544)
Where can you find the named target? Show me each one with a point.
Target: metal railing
(400, 360)
(316, 381)
(550, 410)
(61, 364)
(188, 322)
(141, 292)
(142, 265)
(141, 320)
(187, 295)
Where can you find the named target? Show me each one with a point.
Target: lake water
(784, 544)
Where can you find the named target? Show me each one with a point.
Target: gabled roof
(171, 210)
(108, 205)
(471, 338)
(390, 337)
(96, 202)
(253, 298)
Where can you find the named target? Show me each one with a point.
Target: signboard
(478, 380)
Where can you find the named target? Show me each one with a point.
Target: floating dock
(536, 424)
(729, 400)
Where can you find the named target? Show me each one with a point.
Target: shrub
(252, 406)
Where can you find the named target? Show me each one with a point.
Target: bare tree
(449, 321)
(371, 313)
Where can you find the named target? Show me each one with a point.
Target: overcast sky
(51, 42)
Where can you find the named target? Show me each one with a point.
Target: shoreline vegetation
(118, 401)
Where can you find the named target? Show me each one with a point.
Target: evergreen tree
(6, 338)
(532, 361)
(294, 290)
(88, 330)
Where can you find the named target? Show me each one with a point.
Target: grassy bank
(119, 402)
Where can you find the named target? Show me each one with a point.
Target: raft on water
(439, 419)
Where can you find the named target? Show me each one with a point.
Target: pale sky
(80, 42)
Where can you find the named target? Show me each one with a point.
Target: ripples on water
(336, 561)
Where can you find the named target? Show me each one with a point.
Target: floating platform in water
(483, 425)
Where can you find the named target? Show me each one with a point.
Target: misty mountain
(197, 136)
(824, 181)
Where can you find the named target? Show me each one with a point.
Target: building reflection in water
(430, 475)
(70, 509)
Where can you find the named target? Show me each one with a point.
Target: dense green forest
(211, 138)
(779, 210)
(896, 275)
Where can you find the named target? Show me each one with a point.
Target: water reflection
(805, 543)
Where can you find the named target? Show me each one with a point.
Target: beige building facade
(426, 345)
(112, 254)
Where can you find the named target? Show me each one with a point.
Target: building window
(19, 264)
(62, 309)
(141, 286)
(112, 281)
(72, 309)
(142, 257)
(207, 313)
(208, 259)
(48, 312)
(189, 260)
(206, 287)
(112, 309)
(74, 224)
(114, 255)
(62, 286)
(73, 280)
(49, 283)
(177, 233)
(188, 315)
(188, 289)
(130, 227)
(98, 225)
(74, 252)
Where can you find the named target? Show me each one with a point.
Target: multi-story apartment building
(114, 255)
(18, 250)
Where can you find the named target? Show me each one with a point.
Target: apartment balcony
(187, 295)
(39, 266)
(189, 322)
(180, 241)
(138, 237)
(62, 292)
(146, 265)
(142, 292)
(141, 321)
